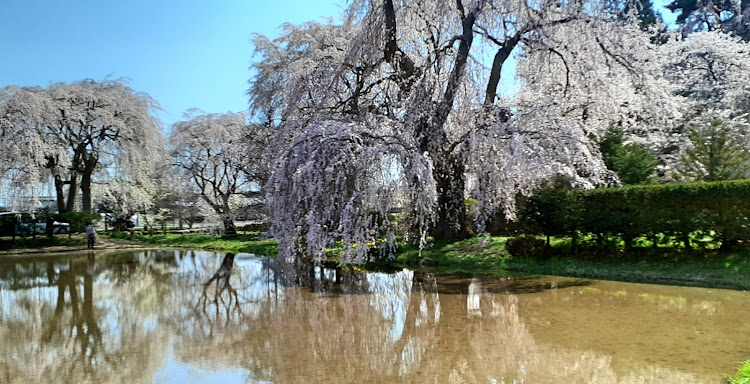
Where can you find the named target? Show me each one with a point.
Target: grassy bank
(731, 270)
(743, 376)
(247, 243)
(487, 255)
(675, 266)
(481, 255)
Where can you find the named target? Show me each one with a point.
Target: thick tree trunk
(49, 227)
(451, 220)
(229, 228)
(63, 204)
(60, 192)
(449, 167)
(86, 193)
(628, 241)
(686, 240)
(88, 170)
(72, 193)
(222, 209)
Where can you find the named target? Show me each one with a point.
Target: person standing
(90, 235)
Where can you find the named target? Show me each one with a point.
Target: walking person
(90, 235)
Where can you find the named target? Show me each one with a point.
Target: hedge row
(718, 211)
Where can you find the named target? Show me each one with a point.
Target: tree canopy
(67, 131)
(396, 109)
(223, 157)
(730, 16)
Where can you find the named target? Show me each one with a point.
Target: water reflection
(219, 291)
(57, 326)
(189, 316)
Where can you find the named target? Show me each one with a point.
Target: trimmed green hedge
(718, 212)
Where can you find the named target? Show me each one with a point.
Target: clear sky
(184, 53)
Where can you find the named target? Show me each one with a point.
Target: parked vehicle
(21, 224)
(25, 228)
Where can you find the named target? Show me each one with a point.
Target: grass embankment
(247, 243)
(675, 266)
(482, 255)
(743, 376)
(730, 270)
(487, 255)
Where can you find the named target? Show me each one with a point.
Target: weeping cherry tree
(223, 156)
(65, 131)
(400, 108)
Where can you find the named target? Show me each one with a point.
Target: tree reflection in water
(403, 330)
(222, 295)
(55, 326)
(119, 319)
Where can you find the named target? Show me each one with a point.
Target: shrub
(7, 225)
(633, 163)
(528, 246)
(552, 212)
(721, 209)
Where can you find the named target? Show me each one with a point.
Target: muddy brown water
(203, 317)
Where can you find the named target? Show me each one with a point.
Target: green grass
(730, 270)
(486, 255)
(743, 376)
(246, 243)
(664, 265)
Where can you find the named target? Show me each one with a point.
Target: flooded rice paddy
(203, 317)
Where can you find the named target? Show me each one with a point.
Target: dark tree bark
(89, 165)
(497, 66)
(72, 193)
(229, 228)
(60, 194)
(451, 222)
(223, 210)
(66, 203)
(449, 166)
(449, 169)
(63, 205)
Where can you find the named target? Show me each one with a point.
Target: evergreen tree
(633, 163)
(717, 154)
(730, 16)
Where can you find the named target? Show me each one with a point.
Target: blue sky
(185, 54)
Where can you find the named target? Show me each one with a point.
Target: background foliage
(716, 212)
